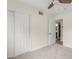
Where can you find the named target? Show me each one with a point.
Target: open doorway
(59, 31)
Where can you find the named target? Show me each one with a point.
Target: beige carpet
(50, 52)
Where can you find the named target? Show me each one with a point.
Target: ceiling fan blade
(51, 5)
(65, 1)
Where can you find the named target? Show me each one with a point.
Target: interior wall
(39, 24)
(39, 31)
(67, 27)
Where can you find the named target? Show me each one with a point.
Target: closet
(18, 33)
(10, 34)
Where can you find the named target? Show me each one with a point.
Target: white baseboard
(39, 47)
(66, 45)
(10, 57)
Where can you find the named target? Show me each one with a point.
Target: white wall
(67, 27)
(39, 31)
(39, 24)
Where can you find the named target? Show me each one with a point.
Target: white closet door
(10, 34)
(22, 36)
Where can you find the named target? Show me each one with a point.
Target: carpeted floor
(50, 52)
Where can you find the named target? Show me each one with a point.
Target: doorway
(59, 32)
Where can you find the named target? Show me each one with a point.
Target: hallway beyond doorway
(59, 32)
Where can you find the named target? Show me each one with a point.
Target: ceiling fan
(60, 1)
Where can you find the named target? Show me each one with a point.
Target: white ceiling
(43, 5)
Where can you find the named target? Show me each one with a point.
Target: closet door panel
(10, 34)
(22, 39)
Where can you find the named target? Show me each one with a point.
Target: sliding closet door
(22, 33)
(10, 34)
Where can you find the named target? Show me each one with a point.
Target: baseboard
(10, 57)
(34, 49)
(65, 45)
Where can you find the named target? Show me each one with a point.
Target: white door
(22, 33)
(52, 30)
(18, 37)
(10, 34)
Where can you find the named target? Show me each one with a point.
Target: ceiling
(43, 5)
